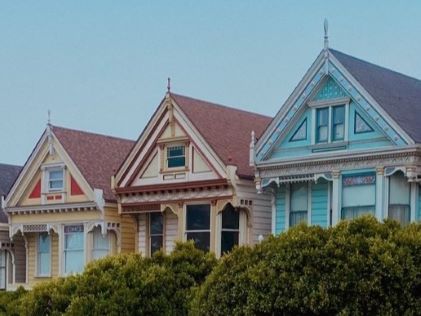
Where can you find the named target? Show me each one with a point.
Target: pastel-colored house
(62, 205)
(12, 254)
(188, 177)
(345, 143)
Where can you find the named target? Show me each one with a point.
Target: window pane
(2, 269)
(322, 134)
(297, 217)
(338, 114)
(198, 217)
(56, 174)
(73, 261)
(175, 151)
(228, 241)
(176, 162)
(230, 218)
(400, 213)
(74, 241)
(399, 190)
(338, 132)
(44, 261)
(44, 243)
(156, 223)
(100, 242)
(156, 243)
(299, 196)
(201, 240)
(56, 184)
(354, 212)
(322, 116)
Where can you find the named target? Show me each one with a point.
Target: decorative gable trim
(327, 65)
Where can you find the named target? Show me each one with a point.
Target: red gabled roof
(226, 130)
(96, 156)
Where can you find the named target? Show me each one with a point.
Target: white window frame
(63, 248)
(93, 249)
(167, 148)
(314, 105)
(38, 274)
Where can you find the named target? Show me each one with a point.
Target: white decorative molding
(99, 199)
(52, 208)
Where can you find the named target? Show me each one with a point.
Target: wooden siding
(20, 259)
(280, 209)
(128, 234)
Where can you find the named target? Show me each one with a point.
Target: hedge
(360, 267)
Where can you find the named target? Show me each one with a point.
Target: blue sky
(102, 65)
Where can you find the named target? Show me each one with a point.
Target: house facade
(62, 207)
(345, 143)
(188, 178)
(12, 254)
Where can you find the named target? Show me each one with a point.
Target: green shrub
(125, 285)
(360, 267)
(10, 302)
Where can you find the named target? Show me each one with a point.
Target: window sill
(42, 276)
(175, 169)
(339, 145)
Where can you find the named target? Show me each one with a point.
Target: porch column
(336, 187)
(380, 193)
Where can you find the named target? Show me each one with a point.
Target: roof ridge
(221, 105)
(376, 65)
(92, 133)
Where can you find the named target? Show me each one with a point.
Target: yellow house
(62, 204)
(188, 177)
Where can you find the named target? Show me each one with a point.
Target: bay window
(198, 225)
(358, 195)
(44, 254)
(399, 198)
(298, 204)
(74, 258)
(156, 232)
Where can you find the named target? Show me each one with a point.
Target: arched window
(101, 244)
(230, 228)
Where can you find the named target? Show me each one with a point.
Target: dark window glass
(198, 217)
(230, 218)
(201, 239)
(156, 223)
(176, 156)
(156, 229)
(229, 239)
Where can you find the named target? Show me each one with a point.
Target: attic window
(176, 156)
(55, 179)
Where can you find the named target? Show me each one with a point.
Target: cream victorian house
(62, 205)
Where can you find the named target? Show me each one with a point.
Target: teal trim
(368, 128)
(418, 216)
(319, 202)
(280, 209)
(298, 131)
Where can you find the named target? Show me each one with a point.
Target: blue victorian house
(345, 143)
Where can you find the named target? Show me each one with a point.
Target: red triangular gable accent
(36, 192)
(74, 187)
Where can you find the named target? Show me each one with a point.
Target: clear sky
(102, 65)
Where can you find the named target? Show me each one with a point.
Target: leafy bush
(360, 267)
(125, 285)
(10, 302)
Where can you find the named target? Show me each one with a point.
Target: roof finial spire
(49, 117)
(169, 85)
(326, 28)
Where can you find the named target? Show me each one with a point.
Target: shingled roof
(96, 156)
(8, 175)
(399, 95)
(226, 130)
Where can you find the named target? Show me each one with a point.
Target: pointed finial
(49, 118)
(326, 28)
(169, 85)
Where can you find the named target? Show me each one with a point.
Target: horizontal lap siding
(319, 202)
(20, 259)
(128, 234)
(280, 209)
